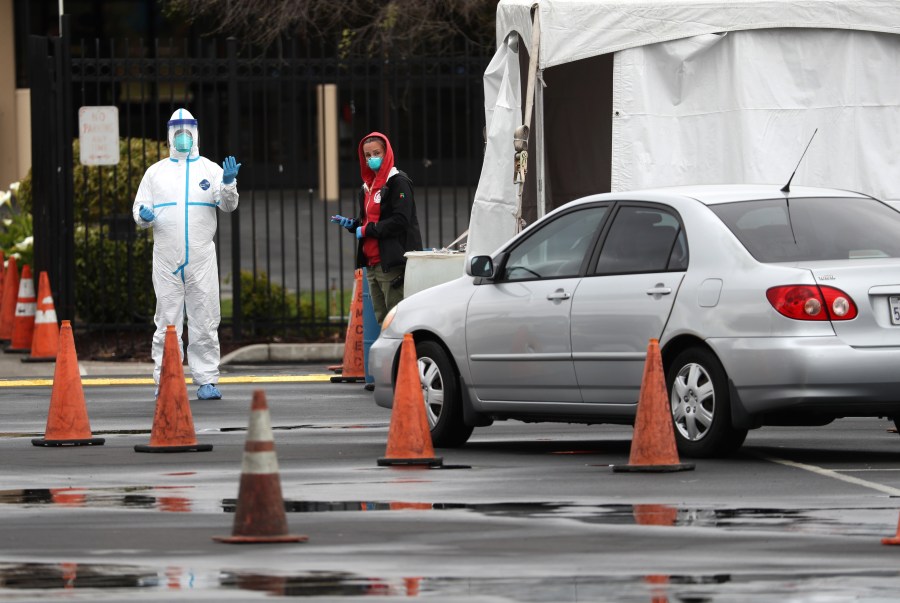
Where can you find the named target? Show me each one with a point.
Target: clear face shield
(182, 135)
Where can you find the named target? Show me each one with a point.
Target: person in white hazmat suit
(178, 198)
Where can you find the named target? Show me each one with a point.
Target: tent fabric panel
(741, 108)
(575, 29)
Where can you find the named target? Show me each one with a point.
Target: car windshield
(781, 230)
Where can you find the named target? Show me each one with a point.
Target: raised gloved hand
(230, 168)
(359, 232)
(146, 214)
(344, 222)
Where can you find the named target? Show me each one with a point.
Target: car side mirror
(481, 266)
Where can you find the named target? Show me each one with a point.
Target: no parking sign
(98, 130)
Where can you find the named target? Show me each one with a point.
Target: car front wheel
(443, 402)
(701, 405)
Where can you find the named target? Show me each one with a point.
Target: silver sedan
(770, 308)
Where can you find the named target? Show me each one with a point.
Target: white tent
(632, 94)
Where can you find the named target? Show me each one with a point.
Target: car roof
(712, 194)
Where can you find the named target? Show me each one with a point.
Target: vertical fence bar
(66, 186)
(234, 142)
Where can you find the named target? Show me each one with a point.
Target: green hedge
(113, 278)
(105, 291)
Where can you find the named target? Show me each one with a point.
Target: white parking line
(833, 474)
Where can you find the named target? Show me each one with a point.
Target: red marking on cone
(259, 516)
(353, 369)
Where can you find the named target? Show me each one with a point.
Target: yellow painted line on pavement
(834, 475)
(91, 381)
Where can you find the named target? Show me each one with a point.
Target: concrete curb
(268, 353)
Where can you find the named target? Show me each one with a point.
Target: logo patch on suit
(204, 184)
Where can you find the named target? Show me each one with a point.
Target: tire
(443, 402)
(701, 405)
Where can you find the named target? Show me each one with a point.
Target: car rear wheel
(701, 405)
(443, 403)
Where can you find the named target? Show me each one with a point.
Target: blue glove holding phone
(344, 222)
(146, 214)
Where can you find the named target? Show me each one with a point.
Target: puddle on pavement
(112, 432)
(105, 581)
(179, 499)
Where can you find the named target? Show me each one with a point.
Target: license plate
(894, 302)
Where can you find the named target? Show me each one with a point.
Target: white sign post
(98, 130)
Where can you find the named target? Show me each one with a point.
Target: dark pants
(384, 295)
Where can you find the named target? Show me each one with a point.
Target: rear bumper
(780, 374)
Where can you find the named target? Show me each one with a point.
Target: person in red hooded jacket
(387, 226)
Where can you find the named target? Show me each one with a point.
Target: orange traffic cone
(653, 444)
(8, 301)
(45, 341)
(67, 421)
(23, 323)
(893, 539)
(409, 439)
(353, 370)
(259, 516)
(173, 424)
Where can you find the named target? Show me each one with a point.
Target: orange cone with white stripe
(353, 369)
(45, 340)
(8, 300)
(173, 423)
(23, 324)
(259, 516)
(67, 420)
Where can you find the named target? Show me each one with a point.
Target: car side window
(643, 239)
(557, 248)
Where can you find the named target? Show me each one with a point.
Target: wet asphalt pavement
(521, 513)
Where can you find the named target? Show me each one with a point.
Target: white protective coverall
(184, 192)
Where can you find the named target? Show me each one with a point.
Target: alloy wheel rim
(693, 401)
(432, 389)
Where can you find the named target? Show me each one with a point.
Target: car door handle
(659, 290)
(559, 294)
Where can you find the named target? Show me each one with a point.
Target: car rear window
(782, 230)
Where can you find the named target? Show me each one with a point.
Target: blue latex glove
(230, 168)
(359, 232)
(146, 214)
(344, 222)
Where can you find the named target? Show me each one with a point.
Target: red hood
(375, 180)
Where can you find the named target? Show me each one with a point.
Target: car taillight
(809, 302)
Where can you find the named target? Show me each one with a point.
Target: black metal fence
(293, 117)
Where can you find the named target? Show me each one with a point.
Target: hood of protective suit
(375, 180)
(180, 122)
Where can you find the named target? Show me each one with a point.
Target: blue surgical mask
(374, 162)
(183, 142)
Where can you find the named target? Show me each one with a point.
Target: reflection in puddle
(137, 497)
(657, 588)
(178, 499)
